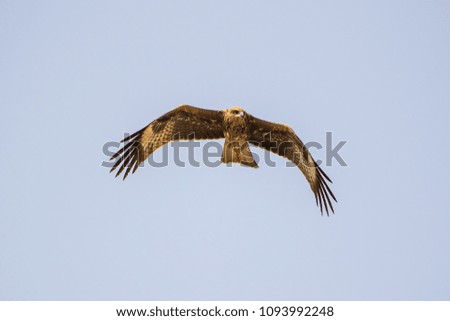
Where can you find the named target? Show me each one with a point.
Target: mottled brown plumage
(238, 128)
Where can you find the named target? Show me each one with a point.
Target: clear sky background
(75, 75)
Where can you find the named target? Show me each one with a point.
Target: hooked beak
(241, 114)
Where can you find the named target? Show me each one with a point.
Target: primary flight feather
(239, 129)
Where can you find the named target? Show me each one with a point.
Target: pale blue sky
(77, 74)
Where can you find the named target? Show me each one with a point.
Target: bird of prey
(239, 129)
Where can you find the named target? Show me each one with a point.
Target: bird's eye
(235, 112)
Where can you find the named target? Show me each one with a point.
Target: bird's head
(235, 112)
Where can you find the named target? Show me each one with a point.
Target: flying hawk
(238, 128)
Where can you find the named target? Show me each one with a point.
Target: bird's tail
(238, 152)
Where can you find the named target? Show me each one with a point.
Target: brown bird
(239, 129)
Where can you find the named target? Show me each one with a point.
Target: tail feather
(238, 152)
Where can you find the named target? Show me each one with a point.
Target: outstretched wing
(282, 140)
(182, 123)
